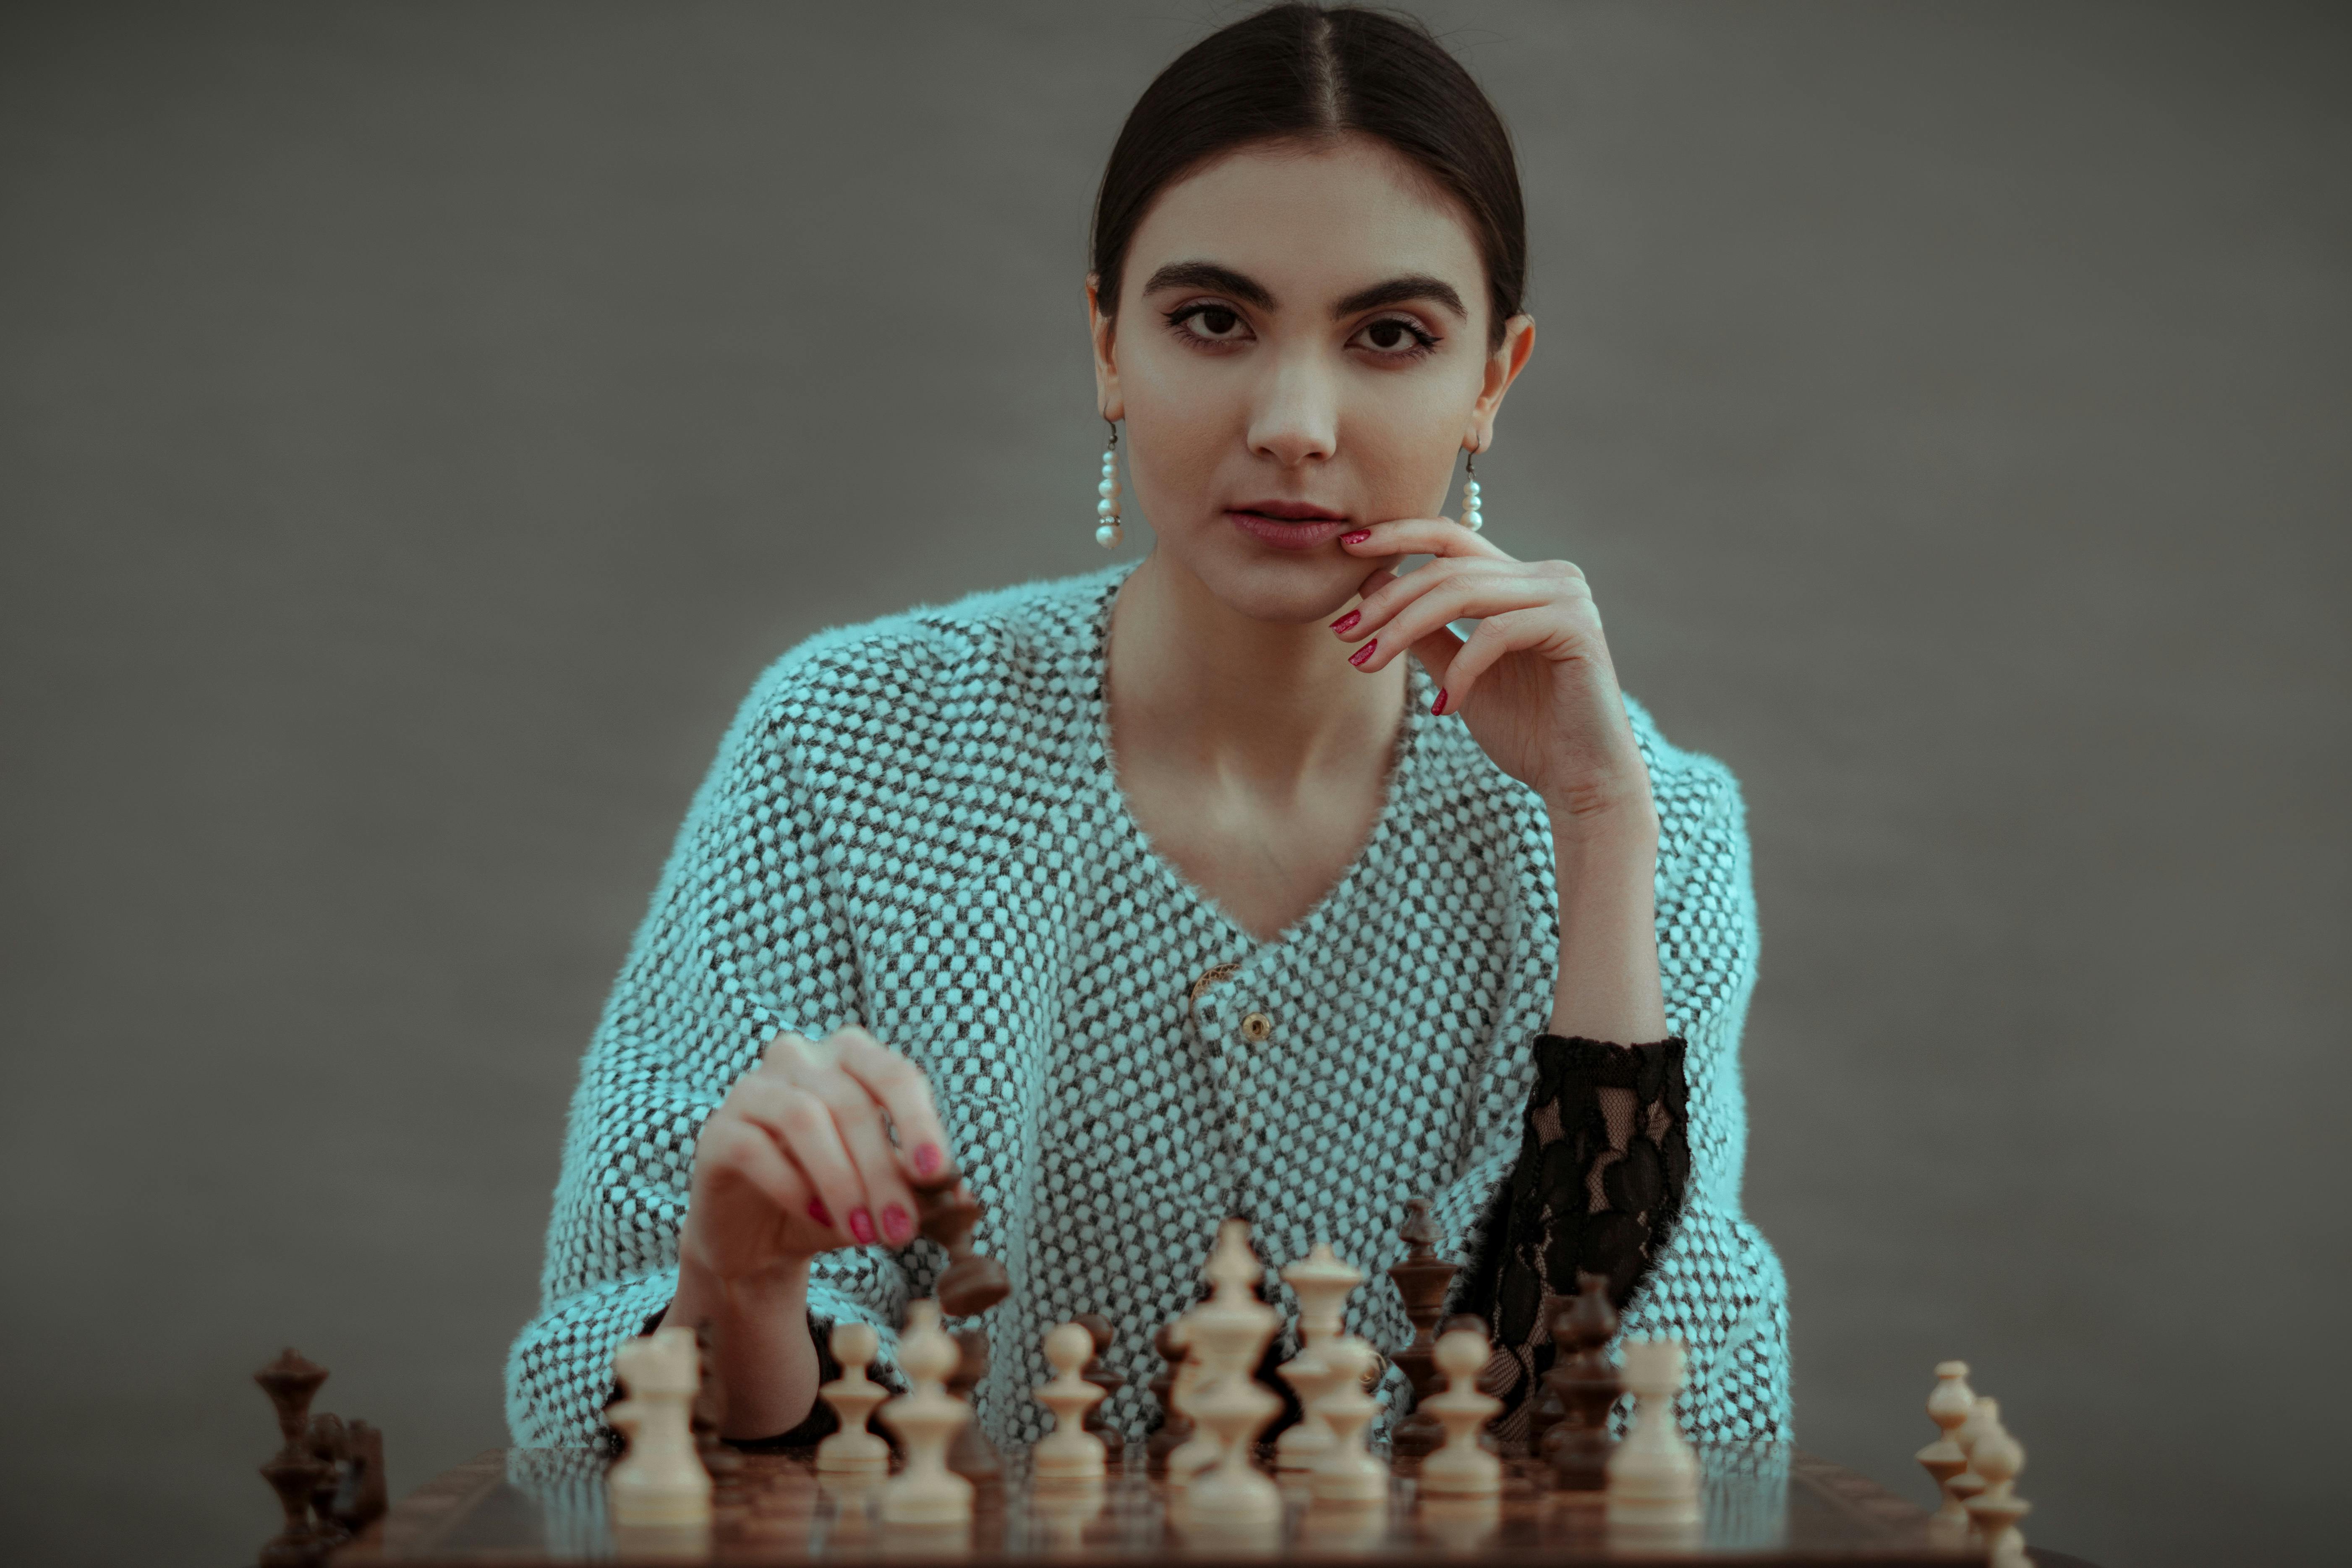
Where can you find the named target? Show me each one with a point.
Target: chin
(1291, 592)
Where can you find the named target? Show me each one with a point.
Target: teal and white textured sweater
(914, 825)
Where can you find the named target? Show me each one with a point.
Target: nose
(1295, 418)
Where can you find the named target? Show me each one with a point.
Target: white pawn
(1462, 1468)
(855, 1449)
(660, 1481)
(1069, 1452)
(1997, 1459)
(1947, 1407)
(1653, 1474)
(1349, 1475)
(926, 1418)
(1321, 1280)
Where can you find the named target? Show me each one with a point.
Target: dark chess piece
(1578, 1445)
(969, 1284)
(971, 1454)
(709, 1409)
(293, 1473)
(1175, 1429)
(1114, 1441)
(360, 1501)
(332, 1448)
(1421, 1278)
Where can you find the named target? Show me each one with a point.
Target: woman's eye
(1392, 336)
(1213, 321)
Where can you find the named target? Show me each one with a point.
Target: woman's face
(1300, 349)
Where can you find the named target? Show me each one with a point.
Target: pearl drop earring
(1106, 533)
(1470, 518)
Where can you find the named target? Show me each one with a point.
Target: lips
(1288, 524)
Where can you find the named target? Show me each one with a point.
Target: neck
(1198, 685)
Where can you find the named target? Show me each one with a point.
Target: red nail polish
(897, 1225)
(1349, 619)
(861, 1226)
(1439, 706)
(1363, 653)
(1356, 536)
(819, 1213)
(927, 1159)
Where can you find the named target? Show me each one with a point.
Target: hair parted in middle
(1298, 72)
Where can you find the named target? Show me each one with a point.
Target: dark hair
(1300, 72)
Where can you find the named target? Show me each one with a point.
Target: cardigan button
(1255, 1027)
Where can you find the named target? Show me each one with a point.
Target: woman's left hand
(1534, 682)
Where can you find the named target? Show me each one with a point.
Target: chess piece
(332, 1448)
(1232, 1271)
(1175, 1427)
(1967, 1483)
(971, 1454)
(660, 1481)
(1069, 1452)
(1321, 1281)
(1098, 1329)
(1654, 1474)
(857, 1450)
(925, 1418)
(709, 1409)
(360, 1501)
(1347, 1474)
(1947, 1406)
(1234, 1328)
(1586, 1386)
(969, 1284)
(294, 1472)
(1460, 1468)
(1422, 1277)
(1997, 1459)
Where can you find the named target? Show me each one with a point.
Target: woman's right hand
(798, 1159)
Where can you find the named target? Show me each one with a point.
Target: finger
(900, 1087)
(1477, 599)
(886, 1213)
(744, 1152)
(1438, 652)
(1383, 594)
(802, 1127)
(1496, 636)
(1418, 536)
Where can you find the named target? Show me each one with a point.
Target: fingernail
(1363, 653)
(897, 1225)
(1439, 706)
(861, 1226)
(1349, 619)
(819, 1213)
(927, 1159)
(1356, 536)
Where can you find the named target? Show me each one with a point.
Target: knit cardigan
(915, 825)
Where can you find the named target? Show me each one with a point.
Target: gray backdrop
(422, 421)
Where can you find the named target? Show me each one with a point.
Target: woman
(1236, 881)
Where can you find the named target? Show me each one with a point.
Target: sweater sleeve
(1651, 1139)
(744, 940)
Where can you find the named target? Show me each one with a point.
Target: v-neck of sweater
(1334, 910)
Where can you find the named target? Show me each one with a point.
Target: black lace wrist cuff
(1603, 1169)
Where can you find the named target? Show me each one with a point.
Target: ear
(1502, 367)
(1101, 327)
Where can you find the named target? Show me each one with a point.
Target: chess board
(547, 1506)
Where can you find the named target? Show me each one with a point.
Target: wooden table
(530, 1507)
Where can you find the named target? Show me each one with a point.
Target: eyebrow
(1398, 290)
(1209, 275)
